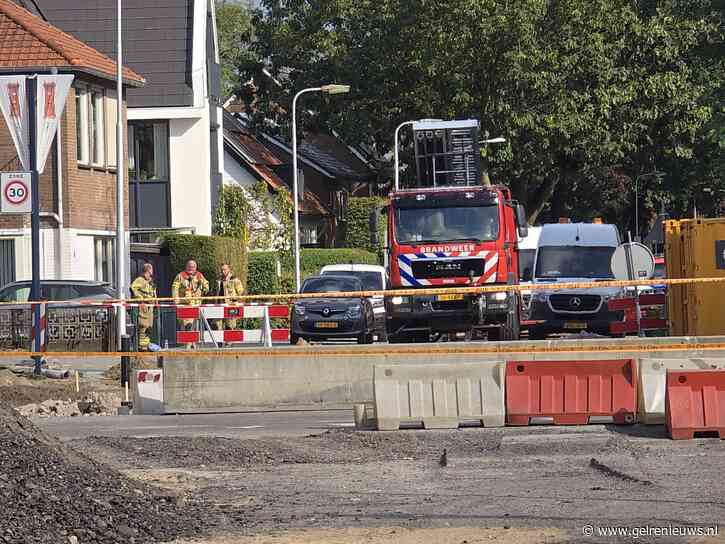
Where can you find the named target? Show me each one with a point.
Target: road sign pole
(34, 217)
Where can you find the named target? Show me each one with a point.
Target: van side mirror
(521, 221)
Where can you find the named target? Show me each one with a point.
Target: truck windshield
(574, 262)
(455, 223)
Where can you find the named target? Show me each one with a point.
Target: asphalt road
(246, 425)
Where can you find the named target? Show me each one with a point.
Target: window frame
(135, 182)
(104, 259)
(84, 144)
(97, 115)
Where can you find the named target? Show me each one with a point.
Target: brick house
(78, 187)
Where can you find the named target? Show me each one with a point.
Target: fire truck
(448, 229)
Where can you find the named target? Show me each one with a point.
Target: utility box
(695, 248)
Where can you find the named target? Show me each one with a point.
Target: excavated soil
(51, 494)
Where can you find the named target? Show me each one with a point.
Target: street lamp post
(327, 89)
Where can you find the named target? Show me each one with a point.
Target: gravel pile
(51, 494)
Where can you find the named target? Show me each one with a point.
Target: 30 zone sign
(15, 187)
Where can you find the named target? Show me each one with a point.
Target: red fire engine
(449, 230)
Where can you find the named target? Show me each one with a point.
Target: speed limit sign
(15, 189)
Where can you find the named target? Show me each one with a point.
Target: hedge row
(263, 277)
(357, 223)
(209, 252)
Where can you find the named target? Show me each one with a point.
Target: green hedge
(357, 223)
(263, 272)
(209, 252)
(262, 275)
(311, 260)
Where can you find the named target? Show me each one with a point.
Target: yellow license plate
(326, 325)
(444, 298)
(575, 325)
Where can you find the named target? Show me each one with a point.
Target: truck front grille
(447, 268)
(574, 303)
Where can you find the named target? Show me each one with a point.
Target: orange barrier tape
(495, 288)
(514, 347)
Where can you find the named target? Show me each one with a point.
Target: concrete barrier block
(148, 392)
(653, 383)
(440, 396)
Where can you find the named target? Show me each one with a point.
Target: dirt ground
(399, 535)
(20, 390)
(533, 484)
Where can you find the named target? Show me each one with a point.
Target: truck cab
(574, 253)
(449, 230)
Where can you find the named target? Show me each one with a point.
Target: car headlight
(498, 297)
(539, 296)
(354, 311)
(397, 301)
(299, 310)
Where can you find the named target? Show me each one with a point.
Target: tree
(588, 93)
(235, 35)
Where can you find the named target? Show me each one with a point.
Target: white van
(527, 256)
(373, 278)
(568, 253)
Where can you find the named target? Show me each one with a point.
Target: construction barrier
(652, 384)
(571, 392)
(695, 403)
(439, 396)
(148, 392)
(651, 309)
(203, 317)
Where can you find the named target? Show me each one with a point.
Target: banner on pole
(51, 94)
(14, 105)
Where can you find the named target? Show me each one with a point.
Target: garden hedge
(209, 252)
(263, 272)
(262, 275)
(357, 223)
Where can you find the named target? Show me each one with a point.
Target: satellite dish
(642, 262)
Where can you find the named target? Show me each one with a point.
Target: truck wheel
(512, 330)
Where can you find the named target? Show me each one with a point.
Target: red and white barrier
(265, 335)
(649, 306)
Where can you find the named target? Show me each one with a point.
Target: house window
(148, 173)
(308, 233)
(97, 127)
(82, 150)
(111, 113)
(104, 259)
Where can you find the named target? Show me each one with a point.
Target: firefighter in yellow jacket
(188, 287)
(143, 287)
(230, 287)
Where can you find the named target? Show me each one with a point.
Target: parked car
(574, 253)
(61, 290)
(373, 278)
(327, 318)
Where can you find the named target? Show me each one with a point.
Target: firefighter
(230, 287)
(188, 288)
(143, 287)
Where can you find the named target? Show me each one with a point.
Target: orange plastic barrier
(570, 392)
(695, 403)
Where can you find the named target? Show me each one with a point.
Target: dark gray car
(332, 318)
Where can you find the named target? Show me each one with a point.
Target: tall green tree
(590, 94)
(235, 35)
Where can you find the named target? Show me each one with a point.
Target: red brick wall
(89, 194)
